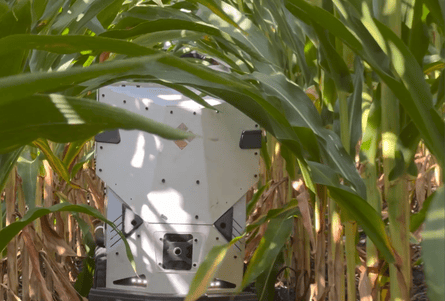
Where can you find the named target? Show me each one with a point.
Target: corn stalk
(395, 191)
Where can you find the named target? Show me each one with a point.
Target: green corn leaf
(290, 162)
(301, 112)
(437, 10)
(69, 44)
(56, 164)
(78, 15)
(407, 144)
(418, 39)
(13, 229)
(336, 66)
(277, 233)
(265, 283)
(329, 92)
(433, 247)
(251, 39)
(81, 162)
(256, 197)
(356, 208)
(189, 93)
(355, 107)
(4, 8)
(371, 135)
(7, 162)
(73, 150)
(290, 209)
(215, 7)
(63, 119)
(417, 219)
(16, 20)
(207, 270)
(154, 38)
(28, 170)
(85, 278)
(409, 86)
(162, 25)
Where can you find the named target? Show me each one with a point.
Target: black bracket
(109, 137)
(251, 139)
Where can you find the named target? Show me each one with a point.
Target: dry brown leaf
(421, 181)
(34, 256)
(54, 241)
(96, 193)
(48, 188)
(10, 292)
(57, 285)
(303, 205)
(10, 199)
(62, 284)
(266, 196)
(364, 285)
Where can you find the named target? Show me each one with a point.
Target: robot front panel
(174, 200)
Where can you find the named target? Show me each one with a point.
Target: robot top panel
(186, 181)
(157, 94)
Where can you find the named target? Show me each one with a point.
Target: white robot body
(175, 200)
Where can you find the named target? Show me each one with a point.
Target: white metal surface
(175, 189)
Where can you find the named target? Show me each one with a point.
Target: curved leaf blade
(7, 162)
(356, 207)
(9, 232)
(433, 246)
(63, 119)
(408, 85)
(69, 44)
(207, 270)
(276, 235)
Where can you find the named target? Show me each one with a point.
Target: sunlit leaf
(64, 119)
(69, 44)
(433, 246)
(54, 161)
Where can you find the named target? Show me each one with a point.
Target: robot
(173, 200)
